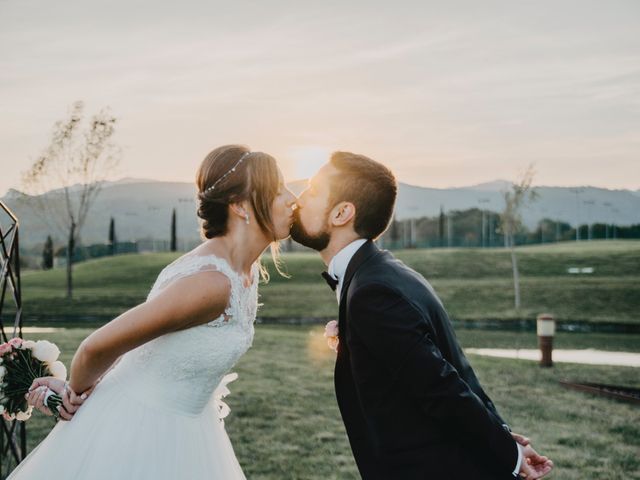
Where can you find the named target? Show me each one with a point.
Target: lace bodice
(179, 371)
(239, 308)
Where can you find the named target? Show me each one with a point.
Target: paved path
(588, 356)
(36, 329)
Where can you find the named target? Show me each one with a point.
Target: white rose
(58, 370)
(22, 416)
(28, 344)
(1, 409)
(46, 351)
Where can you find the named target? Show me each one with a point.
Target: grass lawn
(284, 421)
(475, 284)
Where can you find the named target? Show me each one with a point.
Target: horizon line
(135, 180)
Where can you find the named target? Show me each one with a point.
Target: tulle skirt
(116, 436)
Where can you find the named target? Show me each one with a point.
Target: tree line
(476, 228)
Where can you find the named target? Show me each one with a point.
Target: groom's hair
(370, 186)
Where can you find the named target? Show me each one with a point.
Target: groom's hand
(521, 439)
(534, 465)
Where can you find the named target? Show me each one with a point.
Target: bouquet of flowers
(21, 362)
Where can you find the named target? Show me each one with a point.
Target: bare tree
(520, 193)
(66, 178)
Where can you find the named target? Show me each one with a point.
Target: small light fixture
(546, 331)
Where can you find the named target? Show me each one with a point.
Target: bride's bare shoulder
(202, 291)
(207, 248)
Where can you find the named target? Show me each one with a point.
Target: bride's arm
(40, 388)
(185, 303)
(107, 371)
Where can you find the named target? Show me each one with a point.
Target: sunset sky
(446, 93)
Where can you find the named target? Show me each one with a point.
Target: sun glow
(308, 159)
(317, 349)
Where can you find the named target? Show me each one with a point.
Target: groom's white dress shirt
(339, 263)
(338, 267)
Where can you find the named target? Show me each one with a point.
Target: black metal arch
(13, 435)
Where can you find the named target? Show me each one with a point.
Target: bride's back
(181, 369)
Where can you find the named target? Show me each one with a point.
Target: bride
(149, 382)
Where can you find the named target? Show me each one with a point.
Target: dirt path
(588, 356)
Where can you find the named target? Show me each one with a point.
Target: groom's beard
(318, 242)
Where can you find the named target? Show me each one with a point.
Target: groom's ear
(342, 213)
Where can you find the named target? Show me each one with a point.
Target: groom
(411, 403)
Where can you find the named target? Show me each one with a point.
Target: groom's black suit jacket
(411, 403)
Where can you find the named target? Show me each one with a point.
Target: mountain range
(142, 208)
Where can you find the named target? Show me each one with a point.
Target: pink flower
(15, 342)
(331, 329)
(5, 348)
(331, 334)
(8, 416)
(333, 343)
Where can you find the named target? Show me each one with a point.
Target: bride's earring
(246, 218)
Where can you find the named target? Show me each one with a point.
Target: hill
(142, 208)
(474, 284)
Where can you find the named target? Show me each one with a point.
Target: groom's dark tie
(332, 282)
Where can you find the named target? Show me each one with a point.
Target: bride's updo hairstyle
(231, 174)
(254, 179)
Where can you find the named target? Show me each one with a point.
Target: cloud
(420, 84)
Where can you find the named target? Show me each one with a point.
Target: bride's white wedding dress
(157, 414)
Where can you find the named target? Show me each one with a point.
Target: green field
(475, 284)
(285, 424)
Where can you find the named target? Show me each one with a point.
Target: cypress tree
(47, 254)
(173, 231)
(441, 226)
(112, 237)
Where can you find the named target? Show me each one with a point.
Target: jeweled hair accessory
(233, 169)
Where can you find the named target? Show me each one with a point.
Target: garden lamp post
(546, 331)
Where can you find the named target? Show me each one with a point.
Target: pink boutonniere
(331, 334)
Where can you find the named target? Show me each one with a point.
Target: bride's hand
(71, 401)
(38, 391)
